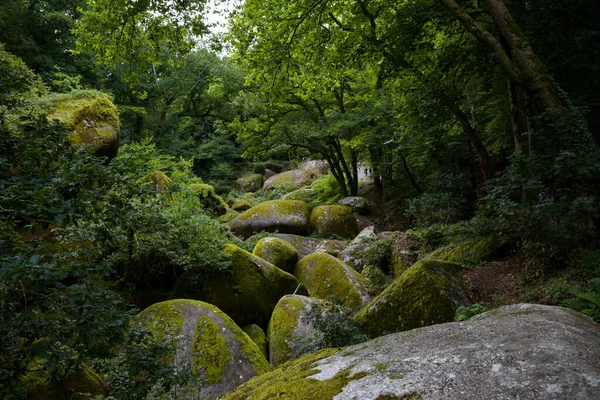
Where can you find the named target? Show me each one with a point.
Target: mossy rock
(287, 181)
(315, 168)
(220, 354)
(404, 252)
(248, 293)
(278, 252)
(241, 205)
(471, 252)
(250, 183)
(212, 202)
(258, 336)
(305, 195)
(376, 279)
(328, 278)
(303, 245)
(79, 385)
(326, 221)
(288, 332)
(285, 216)
(358, 204)
(555, 351)
(428, 293)
(90, 115)
(333, 247)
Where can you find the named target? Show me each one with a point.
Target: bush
(464, 313)
(587, 303)
(258, 168)
(327, 191)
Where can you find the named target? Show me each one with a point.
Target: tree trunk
(469, 131)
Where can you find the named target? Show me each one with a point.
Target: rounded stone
(326, 221)
(278, 252)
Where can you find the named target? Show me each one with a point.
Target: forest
(136, 140)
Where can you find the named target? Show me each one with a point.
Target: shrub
(258, 168)
(327, 191)
(464, 313)
(587, 303)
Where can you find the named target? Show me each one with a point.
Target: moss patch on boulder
(427, 293)
(285, 216)
(288, 333)
(471, 252)
(305, 195)
(287, 181)
(248, 293)
(258, 336)
(376, 279)
(91, 116)
(278, 252)
(326, 221)
(250, 183)
(330, 279)
(241, 205)
(358, 204)
(219, 353)
(293, 381)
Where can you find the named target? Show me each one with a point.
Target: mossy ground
(292, 381)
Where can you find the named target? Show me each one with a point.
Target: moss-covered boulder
(305, 195)
(331, 246)
(278, 252)
(288, 331)
(287, 181)
(241, 205)
(428, 293)
(285, 216)
(212, 202)
(403, 251)
(248, 293)
(376, 279)
(358, 204)
(470, 252)
(90, 115)
(303, 245)
(219, 353)
(229, 216)
(77, 386)
(326, 221)
(328, 278)
(250, 183)
(315, 168)
(524, 351)
(258, 336)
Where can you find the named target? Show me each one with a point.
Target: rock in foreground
(522, 351)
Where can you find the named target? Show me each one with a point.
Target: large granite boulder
(523, 351)
(258, 336)
(91, 117)
(470, 252)
(328, 278)
(288, 181)
(358, 204)
(278, 252)
(288, 331)
(428, 293)
(285, 216)
(250, 183)
(220, 354)
(248, 293)
(326, 221)
(315, 168)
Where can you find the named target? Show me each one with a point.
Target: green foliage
(334, 328)
(587, 303)
(258, 168)
(464, 313)
(18, 81)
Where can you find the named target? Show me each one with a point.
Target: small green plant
(258, 168)
(464, 313)
(587, 303)
(333, 326)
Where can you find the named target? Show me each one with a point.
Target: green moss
(376, 280)
(254, 354)
(158, 179)
(258, 336)
(79, 385)
(288, 181)
(209, 198)
(426, 294)
(164, 320)
(326, 221)
(285, 318)
(292, 381)
(241, 205)
(305, 195)
(285, 216)
(327, 278)
(471, 252)
(228, 216)
(250, 182)
(90, 114)
(278, 252)
(209, 351)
